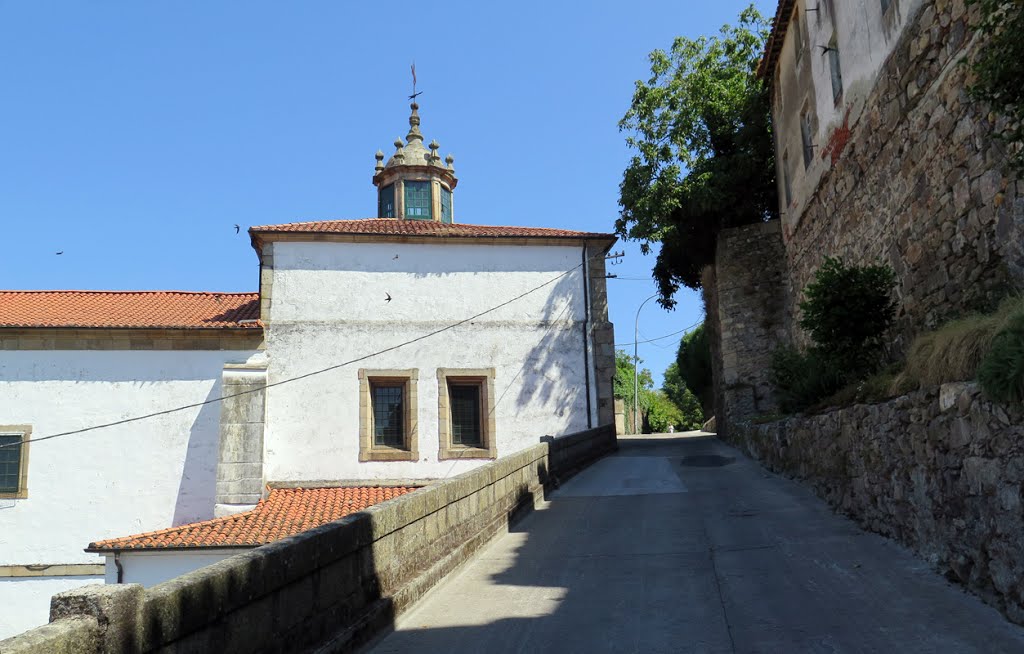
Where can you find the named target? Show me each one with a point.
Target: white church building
(143, 434)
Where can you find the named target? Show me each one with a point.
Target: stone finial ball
(379, 156)
(449, 160)
(434, 144)
(398, 143)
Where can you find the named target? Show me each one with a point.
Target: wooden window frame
(411, 184)
(448, 450)
(380, 201)
(25, 431)
(368, 449)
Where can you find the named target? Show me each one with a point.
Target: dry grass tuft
(953, 352)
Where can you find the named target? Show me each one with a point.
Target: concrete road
(682, 544)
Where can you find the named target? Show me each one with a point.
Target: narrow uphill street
(682, 544)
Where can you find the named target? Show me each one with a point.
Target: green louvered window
(417, 200)
(386, 203)
(446, 205)
(467, 429)
(10, 463)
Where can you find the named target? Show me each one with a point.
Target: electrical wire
(282, 382)
(660, 338)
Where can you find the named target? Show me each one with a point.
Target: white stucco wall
(25, 601)
(117, 481)
(152, 568)
(328, 306)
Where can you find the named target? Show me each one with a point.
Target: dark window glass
(388, 414)
(885, 5)
(10, 463)
(835, 69)
(446, 205)
(805, 136)
(417, 200)
(386, 205)
(464, 400)
(798, 36)
(785, 179)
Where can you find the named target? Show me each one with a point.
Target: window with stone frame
(798, 36)
(14, 461)
(417, 200)
(466, 425)
(388, 415)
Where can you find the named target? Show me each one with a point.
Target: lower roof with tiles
(285, 512)
(422, 228)
(129, 310)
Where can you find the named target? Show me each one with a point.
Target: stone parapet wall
(747, 318)
(333, 588)
(919, 183)
(939, 470)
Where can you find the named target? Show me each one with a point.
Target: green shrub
(847, 311)
(1001, 372)
(803, 379)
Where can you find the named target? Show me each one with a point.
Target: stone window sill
(449, 453)
(388, 454)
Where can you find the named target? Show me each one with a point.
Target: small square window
(465, 403)
(14, 461)
(387, 415)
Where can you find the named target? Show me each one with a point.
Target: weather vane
(414, 93)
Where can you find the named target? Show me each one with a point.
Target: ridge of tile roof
(284, 512)
(399, 227)
(129, 309)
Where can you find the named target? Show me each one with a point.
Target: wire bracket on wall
(616, 257)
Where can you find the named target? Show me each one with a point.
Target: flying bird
(388, 298)
(237, 228)
(60, 253)
(394, 257)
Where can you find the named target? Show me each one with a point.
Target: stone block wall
(940, 470)
(332, 588)
(240, 465)
(745, 302)
(919, 183)
(602, 334)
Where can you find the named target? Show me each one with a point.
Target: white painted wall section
(25, 601)
(329, 306)
(152, 568)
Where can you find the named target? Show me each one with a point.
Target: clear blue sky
(133, 136)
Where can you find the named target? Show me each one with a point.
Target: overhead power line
(282, 382)
(660, 338)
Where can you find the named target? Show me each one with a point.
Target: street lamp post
(636, 365)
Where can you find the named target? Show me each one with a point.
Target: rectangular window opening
(785, 179)
(798, 36)
(885, 6)
(446, 205)
(386, 204)
(417, 200)
(10, 463)
(388, 401)
(806, 135)
(465, 399)
(835, 69)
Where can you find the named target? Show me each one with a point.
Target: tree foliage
(1000, 67)
(657, 409)
(623, 382)
(704, 158)
(693, 366)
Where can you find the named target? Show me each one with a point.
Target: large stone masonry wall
(329, 589)
(939, 470)
(919, 183)
(745, 302)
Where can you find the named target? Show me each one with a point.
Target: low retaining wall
(331, 588)
(939, 470)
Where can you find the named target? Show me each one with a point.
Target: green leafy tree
(623, 383)
(693, 363)
(704, 158)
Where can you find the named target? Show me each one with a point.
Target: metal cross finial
(414, 93)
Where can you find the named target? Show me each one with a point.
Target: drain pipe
(586, 333)
(120, 568)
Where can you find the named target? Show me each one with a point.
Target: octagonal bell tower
(415, 184)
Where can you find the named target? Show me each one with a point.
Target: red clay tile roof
(285, 512)
(396, 227)
(773, 46)
(129, 309)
